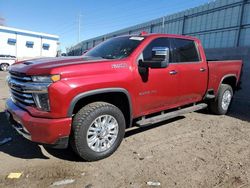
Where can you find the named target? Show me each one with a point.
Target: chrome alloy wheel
(102, 133)
(226, 99)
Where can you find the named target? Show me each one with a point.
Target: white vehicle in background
(6, 61)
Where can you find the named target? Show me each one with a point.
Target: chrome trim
(22, 89)
(21, 94)
(20, 78)
(223, 78)
(21, 130)
(226, 100)
(27, 101)
(102, 133)
(28, 87)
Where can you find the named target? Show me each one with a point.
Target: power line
(115, 24)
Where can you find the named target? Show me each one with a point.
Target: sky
(97, 17)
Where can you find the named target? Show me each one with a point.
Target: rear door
(192, 71)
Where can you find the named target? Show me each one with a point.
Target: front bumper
(53, 132)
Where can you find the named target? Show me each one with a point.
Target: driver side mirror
(160, 58)
(84, 52)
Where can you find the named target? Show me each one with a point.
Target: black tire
(4, 67)
(216, 105)
(83, 120)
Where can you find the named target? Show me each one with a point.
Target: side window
(159, 42)
(29, 44)
(184, 51)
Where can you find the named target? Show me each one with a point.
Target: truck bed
(218, 70)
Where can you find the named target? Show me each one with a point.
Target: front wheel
(97, 131)
(221, 104)
(4, 66)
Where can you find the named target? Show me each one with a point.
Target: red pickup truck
(87, 102)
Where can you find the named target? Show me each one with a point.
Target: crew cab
(88, 101)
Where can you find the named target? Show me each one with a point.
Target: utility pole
(79, 28)
(163, 24)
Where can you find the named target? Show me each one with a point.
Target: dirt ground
(195, 150)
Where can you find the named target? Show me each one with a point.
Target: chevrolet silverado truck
(87, 102)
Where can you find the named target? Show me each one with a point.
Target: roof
(27, 32)
(145, 34)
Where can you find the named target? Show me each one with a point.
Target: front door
(158, 88)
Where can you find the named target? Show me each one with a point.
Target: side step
(210, 94)
(170, 115)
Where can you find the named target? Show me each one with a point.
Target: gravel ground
(195, 150)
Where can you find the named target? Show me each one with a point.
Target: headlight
(46, 79)
(42, 101)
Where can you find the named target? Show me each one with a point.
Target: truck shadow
(68, 154)
(18, 147)
(240, 110)
(131, 132)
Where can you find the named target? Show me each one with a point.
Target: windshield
(116, 48)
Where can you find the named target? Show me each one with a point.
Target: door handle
(173, 72)
(202, 69)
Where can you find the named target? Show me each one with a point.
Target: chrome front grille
(22, 97)
(21, 78)
(25, 91)
(17, 84)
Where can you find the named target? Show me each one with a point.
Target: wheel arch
(5, 63)
(119, 97)
(230, 79)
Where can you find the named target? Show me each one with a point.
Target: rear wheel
(4, 66)
(97, 131)
(221, 104)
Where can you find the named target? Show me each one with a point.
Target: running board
(170, 115)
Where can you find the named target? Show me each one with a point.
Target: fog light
(42, 101)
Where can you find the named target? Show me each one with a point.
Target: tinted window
(11, 41)
(29, 44)
(160, 42)
(184, 51)
(46, 46)
(116, 48)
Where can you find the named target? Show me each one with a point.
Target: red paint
(78, 76)
(42, 130)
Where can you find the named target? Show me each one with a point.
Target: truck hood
(45, 65)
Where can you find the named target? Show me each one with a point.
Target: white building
(27, 44)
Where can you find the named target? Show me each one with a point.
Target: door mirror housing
(84, 52)
(160, 58)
